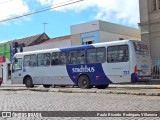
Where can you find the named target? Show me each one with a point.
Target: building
(81, 34)
(63, 41)
(7, 50)
(101, 31)
(150, 25)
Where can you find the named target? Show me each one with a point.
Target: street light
(44, 26)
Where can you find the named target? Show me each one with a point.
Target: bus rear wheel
(84, 82)
(29, 83)
(46, 86)
(102, 86)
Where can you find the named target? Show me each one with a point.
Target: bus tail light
(135, 69)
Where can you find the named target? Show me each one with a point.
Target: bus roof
(80, 47)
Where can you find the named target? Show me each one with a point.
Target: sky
(57, 20)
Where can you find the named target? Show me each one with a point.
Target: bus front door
(17, 77)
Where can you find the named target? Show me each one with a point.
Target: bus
(85, 66)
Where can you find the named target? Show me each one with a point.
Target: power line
(43, 9)
(26, 3)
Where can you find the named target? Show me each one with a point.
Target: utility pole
(44, 25)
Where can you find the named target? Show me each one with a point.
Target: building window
(154, 5)
(87, 40)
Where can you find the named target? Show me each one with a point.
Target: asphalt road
(52, 101)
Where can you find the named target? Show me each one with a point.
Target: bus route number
(125, 72)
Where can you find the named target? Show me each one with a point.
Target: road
(52, 101)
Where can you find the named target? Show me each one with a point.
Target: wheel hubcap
(84, 82)
(28, 82)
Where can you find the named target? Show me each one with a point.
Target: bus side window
(91, 56)
(30, 61)
(26, 61)
(62, 58)
(43, 59)
(112, 54)
(55, 58)
(119, 53)
(72, 59)
(47, 59)
(40, 59)
(80, 56)
(124, 55)
(33, 61)
(101, 55)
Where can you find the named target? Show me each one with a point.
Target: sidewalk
(129, 89)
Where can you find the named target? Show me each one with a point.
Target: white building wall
(85, 27)
(106, 37)
(4, 68)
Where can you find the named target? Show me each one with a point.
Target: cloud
(45, 2)
(125, 12)
(118, 11)
(12, 8)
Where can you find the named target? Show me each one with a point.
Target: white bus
(86, 66)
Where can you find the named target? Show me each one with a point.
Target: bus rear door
(118, 68)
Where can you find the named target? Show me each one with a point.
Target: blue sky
(124, 12)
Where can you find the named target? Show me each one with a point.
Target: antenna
(44, 26)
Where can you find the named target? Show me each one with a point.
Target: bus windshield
(141, 48)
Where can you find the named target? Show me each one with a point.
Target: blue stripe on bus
(77, 47)
(91, 70)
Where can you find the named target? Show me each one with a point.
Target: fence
(156, 69)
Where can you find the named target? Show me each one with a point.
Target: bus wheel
(47, 86)
(84, 82)
(29, 83)
(102, 86)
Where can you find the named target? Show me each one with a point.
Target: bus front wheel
(29, 83)
(101, 86)
(84, 82)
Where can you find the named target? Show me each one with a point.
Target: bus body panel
(98, 73)
(95, 73)
(49, 75)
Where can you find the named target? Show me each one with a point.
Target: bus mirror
(12, 70)
(15, 60)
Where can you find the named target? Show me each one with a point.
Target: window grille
(154, 5)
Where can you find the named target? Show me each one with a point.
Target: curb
(96, 91)
(78, 90)
(136, 86)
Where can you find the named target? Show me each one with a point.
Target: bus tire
(84, 82)
(102, 86)
(28, 82)
(46, 86)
